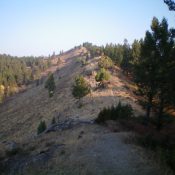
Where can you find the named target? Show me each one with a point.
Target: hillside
(22, 114)
(85, 148)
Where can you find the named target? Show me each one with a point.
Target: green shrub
(79, 59)
(105, 62)
(82, 61)
(114, 113)
(102, 76)
(41, 127)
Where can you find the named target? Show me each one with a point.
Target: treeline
(18, 71)
(123, 55)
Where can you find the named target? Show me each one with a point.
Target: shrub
(114, 113)
(105, 62)
(81, 88)
(41, 127)
(103, 115)
(102, 75)
(53, 121)
(82, 61)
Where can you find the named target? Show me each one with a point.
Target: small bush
(102, 76)
(82, 61)
(41, 127)
(105, 62)
(114, 113)
(53, 121)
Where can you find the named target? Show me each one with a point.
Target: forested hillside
(18, 71)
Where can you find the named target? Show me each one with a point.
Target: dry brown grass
(19, 116)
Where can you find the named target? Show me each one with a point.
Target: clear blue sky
(39, 27)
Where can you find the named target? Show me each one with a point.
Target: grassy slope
(20, 116)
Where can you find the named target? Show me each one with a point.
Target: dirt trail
(84, 150)
(101, 152)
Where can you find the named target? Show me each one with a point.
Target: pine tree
(155, 70)
(81, 88)
(50, 85)
(145, 72)
(125, 63)
(164, 38)
(170, 4)
(135, 51)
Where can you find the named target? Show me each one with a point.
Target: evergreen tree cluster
(115, 112)
(18, 71)
(123, 55)
(93, 49)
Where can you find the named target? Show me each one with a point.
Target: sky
(40, 27)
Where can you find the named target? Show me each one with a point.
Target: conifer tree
(50, 85)
(155, 70)
(170, 4)
(125, 63)
(81, 88)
